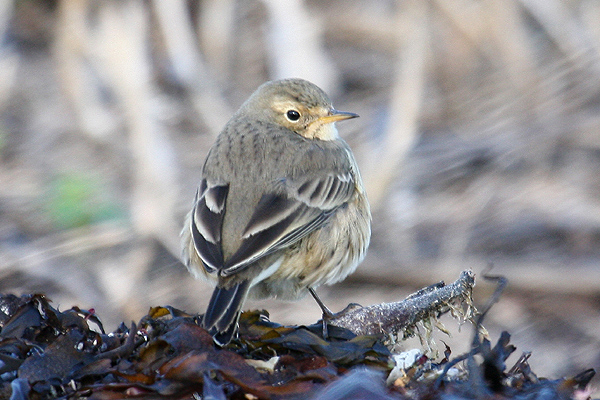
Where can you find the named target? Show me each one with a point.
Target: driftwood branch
(391, 318)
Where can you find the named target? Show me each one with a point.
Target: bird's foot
(329, 315)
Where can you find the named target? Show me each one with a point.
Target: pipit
(280, 208)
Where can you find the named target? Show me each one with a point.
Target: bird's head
(297, 105)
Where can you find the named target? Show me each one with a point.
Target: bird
(281, 207)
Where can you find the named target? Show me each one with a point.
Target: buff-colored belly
(326, 256)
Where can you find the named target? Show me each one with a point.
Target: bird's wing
(284, 216)
(207, 222)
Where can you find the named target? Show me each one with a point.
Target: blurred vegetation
(74, 200)
(479, 143)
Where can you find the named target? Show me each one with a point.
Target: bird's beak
(335, 115)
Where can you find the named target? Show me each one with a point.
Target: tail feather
(223, 311)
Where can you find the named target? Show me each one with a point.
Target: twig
(501, 283)
(124, 350)
(189, 67)
(295, 44)
(406, 103)
(391, 318)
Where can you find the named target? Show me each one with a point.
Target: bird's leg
(327, 313)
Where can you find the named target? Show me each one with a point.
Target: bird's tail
(223, 311)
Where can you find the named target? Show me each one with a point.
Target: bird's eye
(292, 115)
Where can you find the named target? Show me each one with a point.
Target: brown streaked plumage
(280, 208)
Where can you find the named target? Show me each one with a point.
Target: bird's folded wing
(207, 222)
(282, 218)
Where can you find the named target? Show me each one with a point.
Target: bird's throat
(320, 131)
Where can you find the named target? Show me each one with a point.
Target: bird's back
(240, 159)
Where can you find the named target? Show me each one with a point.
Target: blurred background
(479, 143)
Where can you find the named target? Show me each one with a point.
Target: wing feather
(268, 212)
(207, 223)
(260, 244)
(279, 220)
